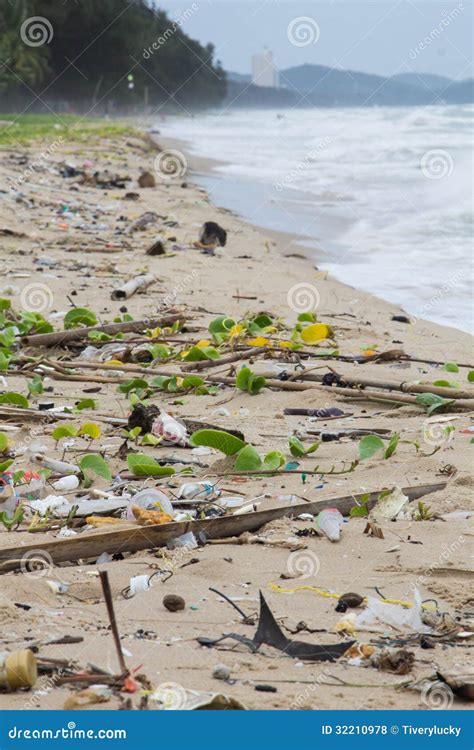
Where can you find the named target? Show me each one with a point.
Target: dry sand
(434, 555)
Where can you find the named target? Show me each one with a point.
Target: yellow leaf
(236, 330)
(183, 354)
(314, 333)
(270, 329)
(369, 353)
(258, 341)
(286, 344)
(113, 362)
(204, 342)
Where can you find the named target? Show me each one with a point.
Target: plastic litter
(330, 521)
(18, 669)
(170, 429)
(66, 483)
(197, 491)
(188, 541)
(390, 507)
(378, 614)
(150, 499)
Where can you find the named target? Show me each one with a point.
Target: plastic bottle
(70, 482)
(330, 521)
(18, 669)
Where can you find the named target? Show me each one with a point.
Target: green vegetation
(111, 55)
(26, 128)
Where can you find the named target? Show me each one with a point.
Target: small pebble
(221, 672)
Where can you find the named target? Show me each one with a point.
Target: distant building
(264, 72)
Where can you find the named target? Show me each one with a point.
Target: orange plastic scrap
(150, 517)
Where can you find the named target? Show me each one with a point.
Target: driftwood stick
(109, 602)
(405, 387)
(63, 337)
(235, 357)
(143, 281)
(133, 538)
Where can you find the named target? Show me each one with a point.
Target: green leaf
(470, 376)
(219, 440)
(392, 446)
(446, 384)
(221, 324)
(307, 317)
(432, 402)
(5, 304)
(64, 430)
(3, 442)
(95, 464)
(242, 378)
(86, 403)
(90, 429)
(4, 361)
(150, 439)
(246, 380)
(136, 384)
(256, 383)
(248, 459)
(14, 398)
(451, 367)
(142, 465)
(298, 449)
(200, 353)
(273, 461)
(35, 386)
(192, 381)
(79, 316)
(369, 445)
(5, 465)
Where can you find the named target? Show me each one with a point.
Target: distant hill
(428, 81)
(318, 85)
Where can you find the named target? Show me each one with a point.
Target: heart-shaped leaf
(218, 439)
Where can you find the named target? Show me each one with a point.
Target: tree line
(109, 54)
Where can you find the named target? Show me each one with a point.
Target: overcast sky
(375, 36)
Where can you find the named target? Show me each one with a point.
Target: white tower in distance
(264, 72)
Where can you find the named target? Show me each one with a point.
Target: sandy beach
(69, 243)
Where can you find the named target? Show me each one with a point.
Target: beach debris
(349, 601)
(149, 499)
(212, 234)
(18, 669)
(88, 697)
(390, 506)
(221, 672)
(397, 661)
(150, 517)
(378, 614)
(107, 592)
(156, 248)
(329, 521)
(173, 603)
(171, 697)
(137, 284)
(460, 680)
(66, 483)
(401, 319)
(371, 529)
(270, 634)
(146, 180)
(171, 429)
(145, 220)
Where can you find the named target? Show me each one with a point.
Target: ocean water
(382, 196)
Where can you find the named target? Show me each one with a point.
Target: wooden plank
(130, 538)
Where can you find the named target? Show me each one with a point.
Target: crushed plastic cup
(150, 499)
(330, 521)
(170, 429)
(187, 541)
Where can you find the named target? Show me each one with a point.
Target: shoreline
(247, 276)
